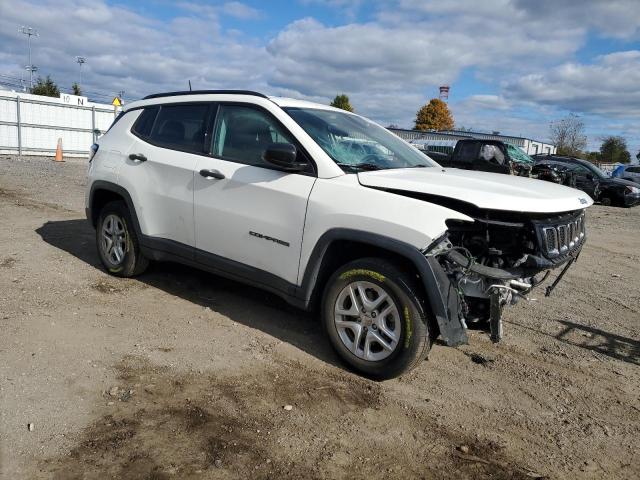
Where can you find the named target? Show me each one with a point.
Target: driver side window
(242, 134)
(582, 172)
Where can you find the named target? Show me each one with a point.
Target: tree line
(568, 135)
(48, 88)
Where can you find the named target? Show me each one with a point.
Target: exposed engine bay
(500, 257)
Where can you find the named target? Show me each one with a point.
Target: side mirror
(589, 177)
(283, 155)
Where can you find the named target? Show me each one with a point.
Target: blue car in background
(627, 172)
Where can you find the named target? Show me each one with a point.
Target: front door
(245, 210)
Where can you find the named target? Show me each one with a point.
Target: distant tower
(444, 93)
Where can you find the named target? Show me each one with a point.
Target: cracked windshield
(357, 144)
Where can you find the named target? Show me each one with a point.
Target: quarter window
(242, 134)
(143, 124)
(181, 127)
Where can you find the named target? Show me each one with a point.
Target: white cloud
(609, 86)
(493, 102)
(135, 53)
(241, 11)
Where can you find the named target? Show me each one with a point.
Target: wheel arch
(103, 192)
(338, 246)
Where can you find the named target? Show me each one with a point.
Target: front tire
(117, 242)
(375, 318)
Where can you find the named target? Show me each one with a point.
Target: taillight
(93, 151)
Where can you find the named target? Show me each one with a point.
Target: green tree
(46, 87)
(435, 115)
(75, 89)
(593, 157)
(567, 134)
(342, 101)
(614, 150)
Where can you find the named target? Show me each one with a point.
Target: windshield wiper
(360, 166)
(420, 165)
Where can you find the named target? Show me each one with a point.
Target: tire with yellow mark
(380, 275)
(134, 262)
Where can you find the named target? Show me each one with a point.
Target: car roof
(225, 95)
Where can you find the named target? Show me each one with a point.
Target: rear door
(246, 210)
(158, 170)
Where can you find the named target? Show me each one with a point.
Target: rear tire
(117, 242)
(606, 201)
(375, 318)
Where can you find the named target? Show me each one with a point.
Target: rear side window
(181, 127)
(142, 127)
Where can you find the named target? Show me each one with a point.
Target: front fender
(442, 297)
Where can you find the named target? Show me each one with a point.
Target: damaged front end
(499, 258)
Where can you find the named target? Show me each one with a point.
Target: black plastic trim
(117, 189)
(162, 249)
(205, 92)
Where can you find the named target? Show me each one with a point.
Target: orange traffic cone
(59, 151)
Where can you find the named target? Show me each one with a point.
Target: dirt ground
(182, 374)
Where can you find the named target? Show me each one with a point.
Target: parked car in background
(486, 156)
(591, 180)
(628, 172)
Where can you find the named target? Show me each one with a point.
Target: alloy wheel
(113, 239)
(367, 321)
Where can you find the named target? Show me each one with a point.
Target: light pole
(30, 32)
(81, 61)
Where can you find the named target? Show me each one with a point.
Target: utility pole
(30, 32)
(81, 61)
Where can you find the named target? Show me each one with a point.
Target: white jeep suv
(330, 211)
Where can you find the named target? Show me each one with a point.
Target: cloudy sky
(513, 65)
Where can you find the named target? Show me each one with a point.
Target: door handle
(209, 174)
(138, 156)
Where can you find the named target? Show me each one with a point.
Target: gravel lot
(182, 374)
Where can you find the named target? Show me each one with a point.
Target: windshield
(517, 155)
(355, 143)
(596, 171)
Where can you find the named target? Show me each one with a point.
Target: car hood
(492, 191)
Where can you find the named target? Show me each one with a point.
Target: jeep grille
(564, 237)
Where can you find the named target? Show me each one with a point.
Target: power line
(16, 82)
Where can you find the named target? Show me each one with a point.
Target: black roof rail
(205, 92)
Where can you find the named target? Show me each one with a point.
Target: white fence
(32, 124)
